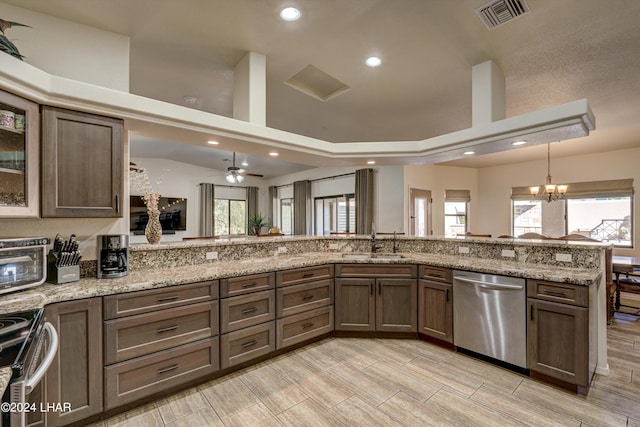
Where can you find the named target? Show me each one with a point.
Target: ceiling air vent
(500, 12)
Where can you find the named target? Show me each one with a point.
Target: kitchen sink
(371, 256)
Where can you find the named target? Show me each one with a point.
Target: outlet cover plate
(212, 255)
(563, 257)
(508, 253)
(463, 249)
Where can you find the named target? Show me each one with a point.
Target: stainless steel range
(28, 345)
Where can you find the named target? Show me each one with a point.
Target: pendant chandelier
(551, 192)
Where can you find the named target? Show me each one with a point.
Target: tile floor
(375, 382)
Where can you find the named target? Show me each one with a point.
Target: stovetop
(16, 332)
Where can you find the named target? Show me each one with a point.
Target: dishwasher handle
(487, 285)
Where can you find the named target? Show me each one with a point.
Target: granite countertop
(5, 376)
(158, 278)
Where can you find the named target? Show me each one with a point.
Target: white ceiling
(562, 51)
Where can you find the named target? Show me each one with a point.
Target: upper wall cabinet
(82, 164)
(19, 157)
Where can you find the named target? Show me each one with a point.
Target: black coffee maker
(113, 255)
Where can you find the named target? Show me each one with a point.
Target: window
(456, 204)
(230, 217)
(603, 218)
(335, 214)
(527, 217)
(286, 216)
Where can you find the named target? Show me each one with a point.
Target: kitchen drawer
(307, 296)
(377, 270)
(156, 299)
(135, 336)
(302, 275)
(245, 284)
(247, 344)
(247, 310)
(301, 327)
(147, 375)
(436, 273)
(558, 292)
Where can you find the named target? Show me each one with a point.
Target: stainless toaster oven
(23, 263)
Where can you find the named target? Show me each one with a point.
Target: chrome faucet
(395, 242)
(374, 245)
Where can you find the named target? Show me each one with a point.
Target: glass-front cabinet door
(19, 156)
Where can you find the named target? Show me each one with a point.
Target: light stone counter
(5, 376)
(162, 277)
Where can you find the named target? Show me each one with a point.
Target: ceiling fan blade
(253, 174)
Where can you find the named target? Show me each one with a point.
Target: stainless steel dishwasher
(489, 316)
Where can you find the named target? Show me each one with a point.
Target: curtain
(585, 190)
(206, 210)
(273, 199)
(252, 201)
(457, 195)
(364, 201)
(302, 207)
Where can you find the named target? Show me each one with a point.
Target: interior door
(420, 212)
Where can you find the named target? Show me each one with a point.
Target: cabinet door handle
(555, 293)
(249, 310)
(169, 369)
(371, 287)
(531, 309)
(117, 204)
(379, 288)
(171, 298)
(249, 344)
(446, 295)
(305, 275)
(248, 285)
(307, 297)
(169, 329)
(307, 325)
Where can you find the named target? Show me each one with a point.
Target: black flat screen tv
(172, 218)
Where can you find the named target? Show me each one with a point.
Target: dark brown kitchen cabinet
(558, 331)
(82, 164)
(435, 303)
(19, 157)
(75, 377)
(385, 304)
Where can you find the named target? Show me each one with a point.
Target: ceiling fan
(236, 174)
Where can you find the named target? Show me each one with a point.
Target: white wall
(494, 186)
(437, 179)
(183, 181)
(68, 49)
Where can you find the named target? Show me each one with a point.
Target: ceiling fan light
(231, 179)
(240, 178)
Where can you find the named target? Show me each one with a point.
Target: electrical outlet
(333, 246)
(282, 249)
(563, 257)
(509, 253)
(463, 249)
(212, 255)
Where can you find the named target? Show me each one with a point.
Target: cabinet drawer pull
(305, 275)
(555, 293)
(169, 369)
(249, 285)
(434, 274)
(307, 325)
(171, 298)
(249, 310)
(249, 344)
(169, 329)
(307, 297)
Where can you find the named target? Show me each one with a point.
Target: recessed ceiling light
(212, 142)
(468, 153)
(244, 164)
(373, 61)
(371, 162)
(290, 14)
(273, 154)
(519, 143)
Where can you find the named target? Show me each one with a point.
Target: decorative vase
(256, 231)
(153, 230)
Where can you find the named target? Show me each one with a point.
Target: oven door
(21, 387)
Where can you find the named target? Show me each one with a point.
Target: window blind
(585, 190)
(457, 195)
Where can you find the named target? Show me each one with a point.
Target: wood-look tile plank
(147, 416)
(205, 417)
(181, 404)
(309, 413)
(456, 409)
(632, 422)
(521, 409)
(564, 402)
(483, 371)
(327, 390)
(456, 378)
(406, 380)
(228, 395)
(615, 400)
(256, 415)
(274, 390)
(411, 412)
(355, 412)
(357, 351)
(371, 389)
(420, 348)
